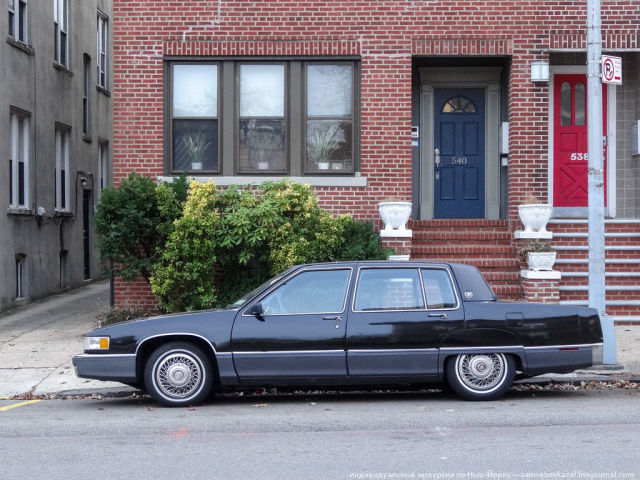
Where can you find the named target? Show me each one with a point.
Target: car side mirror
(256, 310)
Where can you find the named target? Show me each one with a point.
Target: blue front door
(459, 156)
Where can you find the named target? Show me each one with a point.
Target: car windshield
(242, 300)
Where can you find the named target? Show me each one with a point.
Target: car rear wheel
(481, 376)
(178, 374)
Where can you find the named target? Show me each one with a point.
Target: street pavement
(38, 340)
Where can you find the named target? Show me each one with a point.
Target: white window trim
(610, 209)
(61, 19)
(62, 161)
(15, 8)
(17, 144)
(103, 50)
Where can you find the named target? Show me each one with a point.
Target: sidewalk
(38, 340)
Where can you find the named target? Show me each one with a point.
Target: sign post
(595, 140)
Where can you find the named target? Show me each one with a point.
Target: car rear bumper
(120, 368)
(562, 358)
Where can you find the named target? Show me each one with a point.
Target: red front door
(570, 157)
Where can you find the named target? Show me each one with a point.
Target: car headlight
(96, 343)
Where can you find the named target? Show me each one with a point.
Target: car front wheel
(481, 376)
(178, 374)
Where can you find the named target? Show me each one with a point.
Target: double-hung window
(103, 163)
(86, 82)
(102, 63)
(329, 117)
(262, 128)
(19, 161)
(61, 31)
(194, 119)
(280, 117)
(18, 20)
(62, 169)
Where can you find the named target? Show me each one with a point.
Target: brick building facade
(244, 91)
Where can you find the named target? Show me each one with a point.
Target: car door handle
(441, 315)
(336, 319)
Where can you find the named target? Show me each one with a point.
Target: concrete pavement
(38, 340)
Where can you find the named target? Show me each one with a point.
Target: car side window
(438, 289)
(388, 289)
(312, 291)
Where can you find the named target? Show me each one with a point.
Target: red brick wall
(385, 35)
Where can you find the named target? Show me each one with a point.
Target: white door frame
(610, 210)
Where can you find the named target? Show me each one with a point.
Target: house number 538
(579, 156)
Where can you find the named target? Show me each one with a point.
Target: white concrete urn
(541, 261)
(395, 215)
(535, 216)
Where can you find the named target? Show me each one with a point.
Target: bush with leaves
(133, 221)
(183, 277)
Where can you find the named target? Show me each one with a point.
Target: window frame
(169, 117)
(228, 116)
(86, 101)
(62, 184)
(102, 45)
(395, 267)
(20, 148)
(103, 164)
(286, 280)
(452, 283)
(61, 26)
(21, 261)
(237, 119)
(355, 114)
(19, 21)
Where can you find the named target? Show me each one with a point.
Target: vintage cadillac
(348, 323)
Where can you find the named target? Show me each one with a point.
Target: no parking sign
(611, 70)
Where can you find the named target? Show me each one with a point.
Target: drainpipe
(596, 144)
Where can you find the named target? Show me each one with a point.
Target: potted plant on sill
(321, 145)
(263, 143)
(196, 145)
(540, 255)
(395, 214)
(534, 215)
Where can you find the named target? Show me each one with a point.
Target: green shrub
(360, 242)
(184, 275)
(133, 221)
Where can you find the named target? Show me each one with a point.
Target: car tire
(178, 374)
(481, 376)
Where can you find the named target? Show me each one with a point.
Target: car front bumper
(119, 368)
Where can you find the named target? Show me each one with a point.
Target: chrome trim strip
(176, 333)
(497, 347)
(104, 355)
(296, 273)
(564, 346)
(394, 350)
(281, 352)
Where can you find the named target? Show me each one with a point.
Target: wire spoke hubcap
(178, 375)
(481, 372)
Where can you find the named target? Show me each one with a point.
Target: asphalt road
(580, 434)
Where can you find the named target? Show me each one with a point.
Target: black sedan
(349, 323)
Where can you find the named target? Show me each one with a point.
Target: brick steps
(622, 265)
(486, 244)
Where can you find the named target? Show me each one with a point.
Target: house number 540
(579, 156)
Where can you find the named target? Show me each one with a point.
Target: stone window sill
(63, 69)
(103, 90)
(19, 211)
(28, 49)
(315, 181)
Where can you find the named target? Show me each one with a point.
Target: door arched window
(459, 105)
